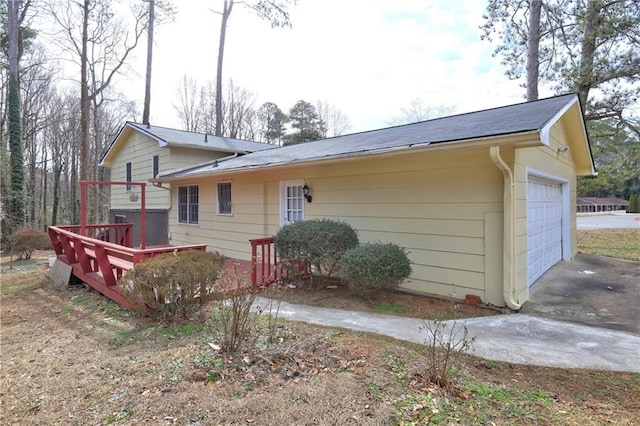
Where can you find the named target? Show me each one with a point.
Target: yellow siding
(434, 204)
(550, 161)
(139, 149)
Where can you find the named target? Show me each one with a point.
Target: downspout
(509, 272)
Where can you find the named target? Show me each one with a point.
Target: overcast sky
(369, 58)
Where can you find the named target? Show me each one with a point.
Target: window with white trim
(128, 176)
(291, 202)
(225, 206)
(155, 166)
(188, 202)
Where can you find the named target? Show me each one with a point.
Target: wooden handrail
(266, 259)
(101, 263)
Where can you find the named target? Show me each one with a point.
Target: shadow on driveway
(596, 291)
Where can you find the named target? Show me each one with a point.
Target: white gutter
(212, 163)
(509, 265)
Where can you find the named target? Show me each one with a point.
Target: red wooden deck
(104, 254)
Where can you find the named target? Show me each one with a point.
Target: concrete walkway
(515, 338)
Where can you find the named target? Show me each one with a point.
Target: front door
(291, 202)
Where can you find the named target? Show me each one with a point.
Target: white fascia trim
(545, 132)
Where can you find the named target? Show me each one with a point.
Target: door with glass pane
(291, 202)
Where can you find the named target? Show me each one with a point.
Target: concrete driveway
(596, 291)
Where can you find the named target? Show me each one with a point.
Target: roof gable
(166, 137)
(528, 117)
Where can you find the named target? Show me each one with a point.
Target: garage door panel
(544, 226)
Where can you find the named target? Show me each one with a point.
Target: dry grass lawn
(620, 243)
(74, 358)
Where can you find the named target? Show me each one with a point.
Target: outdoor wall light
(133, 197)
(305, 192)
(562, 149)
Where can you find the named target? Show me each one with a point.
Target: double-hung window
(225, 207)
(128, 176)
(188, 202)
(155, 166)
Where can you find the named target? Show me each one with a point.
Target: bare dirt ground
(74, 358)
(332, 294)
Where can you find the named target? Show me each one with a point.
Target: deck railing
(100, 263)
(264, 262)
(117, 233)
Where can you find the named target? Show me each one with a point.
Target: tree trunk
(147, 86)
(45, 175)
(16, 197)
(585, 78)
(226, 12)
(533, 49)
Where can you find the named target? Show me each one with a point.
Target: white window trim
(283, 195)
(187, 223)
(218, 198)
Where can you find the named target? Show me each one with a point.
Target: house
(595, 204)
(140, 152)
(484, 201)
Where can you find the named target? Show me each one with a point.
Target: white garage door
(544, 226)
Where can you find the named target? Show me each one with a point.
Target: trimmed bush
(319, 243)
(634, 204)
(173, 285)
(371, 267)
(27, 240)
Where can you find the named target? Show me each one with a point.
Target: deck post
(143, 217)
(254, 255)
(83, 207)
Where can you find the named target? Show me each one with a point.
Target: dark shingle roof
(519, 118)
(174, 137)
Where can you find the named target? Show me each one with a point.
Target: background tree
(196, 106)
(16, 206)
(146, 109)
(533, 49)
(419, 110)
(240, 117)
(101, 48)
(304, 118)
(583, 45)
(274, 11)
(336, 122)
(271, 122)
(167, 12)
(187, 105)
(593, 48)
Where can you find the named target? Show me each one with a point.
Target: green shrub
(372, 267)
(27, 240)
(173, 285)
(319, 243)
(634, 204)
